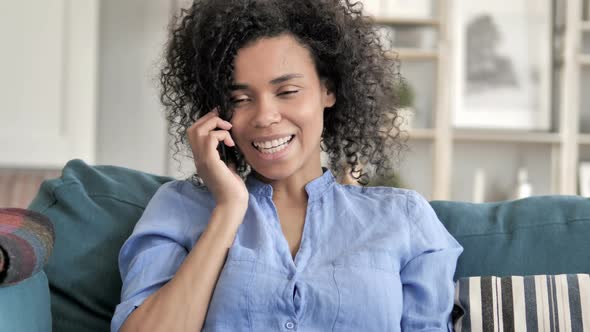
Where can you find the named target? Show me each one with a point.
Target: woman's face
(278, 104)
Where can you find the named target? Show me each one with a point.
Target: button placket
(290, 325)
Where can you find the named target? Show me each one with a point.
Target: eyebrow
(274, 81)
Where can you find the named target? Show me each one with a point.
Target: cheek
(237, 130)
(239, 140)
(305, 108)
(313, 118)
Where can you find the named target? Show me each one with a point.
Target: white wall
(131, 130)
(47, 82)
(82, 82)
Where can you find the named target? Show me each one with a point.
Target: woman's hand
(221, 179)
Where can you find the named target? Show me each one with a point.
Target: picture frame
(408, 9)
(408, 37)
(502, 64)
(584, 179)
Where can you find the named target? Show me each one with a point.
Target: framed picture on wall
(410, 9)
(502, 64)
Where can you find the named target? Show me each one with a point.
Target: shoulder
(178, 210)
(397, 199)
(180, 187)
(182, 192)
(401, 206)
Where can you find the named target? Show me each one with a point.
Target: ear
(328, 95)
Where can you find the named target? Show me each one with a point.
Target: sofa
(93, 209)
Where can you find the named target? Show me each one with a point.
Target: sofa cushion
(531, 303)
(535, 235)
(25, 307)
(93, 210)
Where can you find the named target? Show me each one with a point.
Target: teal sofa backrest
(536, 235)
(94, 209)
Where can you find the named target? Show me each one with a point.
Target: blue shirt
(370, 259)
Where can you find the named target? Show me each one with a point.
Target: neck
(291, 190)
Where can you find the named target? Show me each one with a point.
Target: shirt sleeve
(427, 277)
(150, 257)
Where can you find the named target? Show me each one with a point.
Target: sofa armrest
(26, 306)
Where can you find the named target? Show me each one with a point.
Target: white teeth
(275, 144)
(273, 150)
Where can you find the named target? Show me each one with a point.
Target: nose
(266, 113)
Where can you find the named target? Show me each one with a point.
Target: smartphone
(227, 154)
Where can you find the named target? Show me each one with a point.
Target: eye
(236, 101)
(290, 92)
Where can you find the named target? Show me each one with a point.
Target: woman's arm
(180, 286)
(427, 278)
(181, 304)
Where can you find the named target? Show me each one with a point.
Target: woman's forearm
(181, 304)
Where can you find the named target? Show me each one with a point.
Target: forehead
(268, 58)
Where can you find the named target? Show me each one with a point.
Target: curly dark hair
(361, 132)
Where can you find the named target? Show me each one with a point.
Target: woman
(273, 242)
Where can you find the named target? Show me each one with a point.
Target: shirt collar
(315, 188)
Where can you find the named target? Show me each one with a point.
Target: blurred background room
(496, 96)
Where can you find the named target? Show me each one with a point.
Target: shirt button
(289, 325)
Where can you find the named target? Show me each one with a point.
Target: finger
(221, 135)
(208, 145)
(209, 125)
(211, 114)
(205, 117)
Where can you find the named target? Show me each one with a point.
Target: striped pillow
(531, 303)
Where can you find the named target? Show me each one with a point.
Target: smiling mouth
(273, 146)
